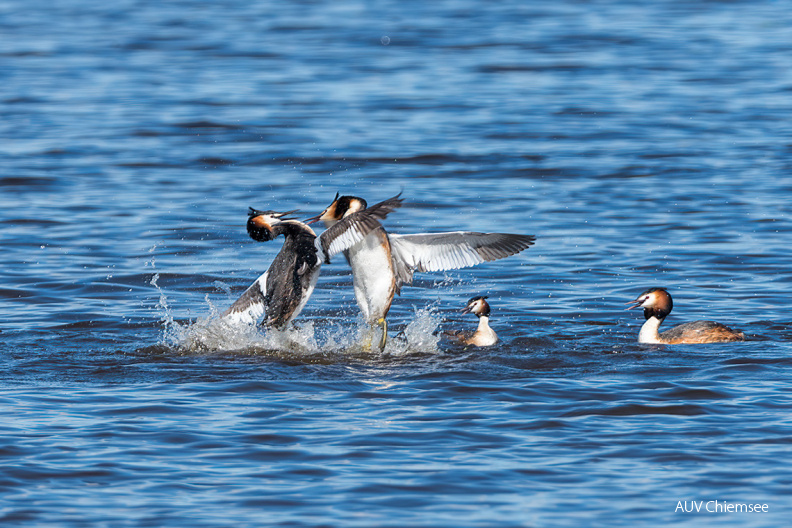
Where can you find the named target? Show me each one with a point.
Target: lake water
(644, 144)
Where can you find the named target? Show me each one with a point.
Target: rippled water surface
(644, 144)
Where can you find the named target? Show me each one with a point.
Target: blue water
(644, 144)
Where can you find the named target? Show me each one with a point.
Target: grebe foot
(383, 324)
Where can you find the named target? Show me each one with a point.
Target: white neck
(650, 331)
(484, 335)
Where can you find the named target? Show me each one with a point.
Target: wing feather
(354, 228)
(454, 250)
(249, 308)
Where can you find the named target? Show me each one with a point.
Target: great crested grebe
(383, 262)
(484, 335)
(657, 304)
(282, 291)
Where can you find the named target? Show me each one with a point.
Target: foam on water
(214, 333)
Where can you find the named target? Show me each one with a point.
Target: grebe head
(656, 302)
(262, 226)
(341, 207)
(478, 306)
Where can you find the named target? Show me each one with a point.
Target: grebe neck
(650, 331)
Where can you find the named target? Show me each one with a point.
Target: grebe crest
(263, 226)
(657, 304)
(477, 306)
(341, 207)
(484, 335)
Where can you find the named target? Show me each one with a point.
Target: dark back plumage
(290, 275)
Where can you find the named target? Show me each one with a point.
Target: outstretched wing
(354, 228)
(454, 250)
(249, 308)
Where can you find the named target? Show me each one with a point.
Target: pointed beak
(466, 309)
(635, 304)
(287, 213)
(252, 213)
(313, 219)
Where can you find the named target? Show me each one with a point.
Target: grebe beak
(466, 309)
(635, 304)
(313, 219)
(252, 213)
(281, 215)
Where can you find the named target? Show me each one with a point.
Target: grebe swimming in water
(657, 304)
(383, 262)
(484, 335)
(281, 293)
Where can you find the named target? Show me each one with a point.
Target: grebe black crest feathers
(484, 334)
(657, 304)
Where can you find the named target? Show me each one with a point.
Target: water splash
(418, 336)
(162, 303)
(214, 333)
(361, 340)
